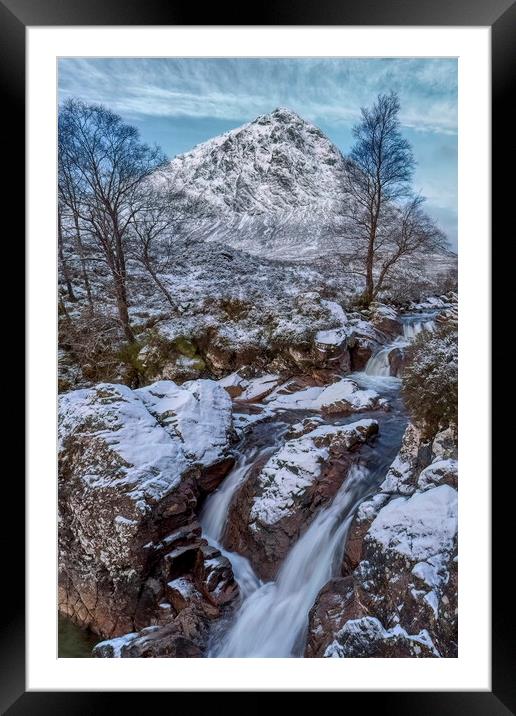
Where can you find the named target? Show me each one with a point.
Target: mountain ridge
(272, 187)
(276, 163)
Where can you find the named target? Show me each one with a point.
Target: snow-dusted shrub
(430, 386)
(90, 342)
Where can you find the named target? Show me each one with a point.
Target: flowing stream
(272, 620)
(273, 616)
(379, 364)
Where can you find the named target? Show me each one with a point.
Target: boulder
(196, 596)
(385, 319)
(363, 341)
(251, 389)
(439, 472)
(341, 397)
(281, 496)
(365, 514)
(340, 611)
(444, 445)
(401, 476)
(396, 362)
(132, 466)
(167, 641)
(401, 600)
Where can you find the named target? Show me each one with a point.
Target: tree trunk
(369, 287)
(374, 215)
(122, 307)
(120, 277)
(84, 270)
(62, 260)
(147, 262)
(163, 288)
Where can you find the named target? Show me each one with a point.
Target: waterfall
(214, 513)
(213, 520)
(412, 328)
(272, 621)
(379, 364)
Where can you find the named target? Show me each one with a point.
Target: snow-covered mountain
(271, 187)
(273, 165)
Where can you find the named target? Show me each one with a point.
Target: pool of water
(74, 642)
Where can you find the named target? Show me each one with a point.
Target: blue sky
(179, 103)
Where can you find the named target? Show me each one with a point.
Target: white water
(272, 621)
(213, 520)
(412, 328)
(379, 364)
(273, 617)
(214, 513)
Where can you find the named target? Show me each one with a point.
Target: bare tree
(108, 163)
(379, 171)
(62, 258)
(69, 209)
(152, 227)
(408, 230)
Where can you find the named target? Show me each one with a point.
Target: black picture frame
(500, 15)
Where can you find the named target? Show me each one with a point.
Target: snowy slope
(276, 164)
(271, 187)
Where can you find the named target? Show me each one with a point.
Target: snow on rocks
(444, 445)
(440, 472)
(367, 637)
(417, 527)
(385, 319)
(280, 496)
(434, 303)
(334, 336)
(343, 396)
(363, 340)
(285, 477)
(197, 413)
(400, 564)
(249, 389)
(132, 464)
(197, 594)
(400, 477)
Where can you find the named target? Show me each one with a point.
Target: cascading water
(213, 521)
(272, 621)
(273, 617)
(379, 364)
(214, 514)
(412, 327)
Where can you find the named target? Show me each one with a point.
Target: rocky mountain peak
(280, 114)
(277, 163)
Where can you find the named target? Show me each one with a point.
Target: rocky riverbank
(183, 508)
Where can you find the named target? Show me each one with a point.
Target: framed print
(258, 267)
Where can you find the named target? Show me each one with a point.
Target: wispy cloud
(320, 89)
(180, 102)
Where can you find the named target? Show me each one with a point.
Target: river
(272, 618)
